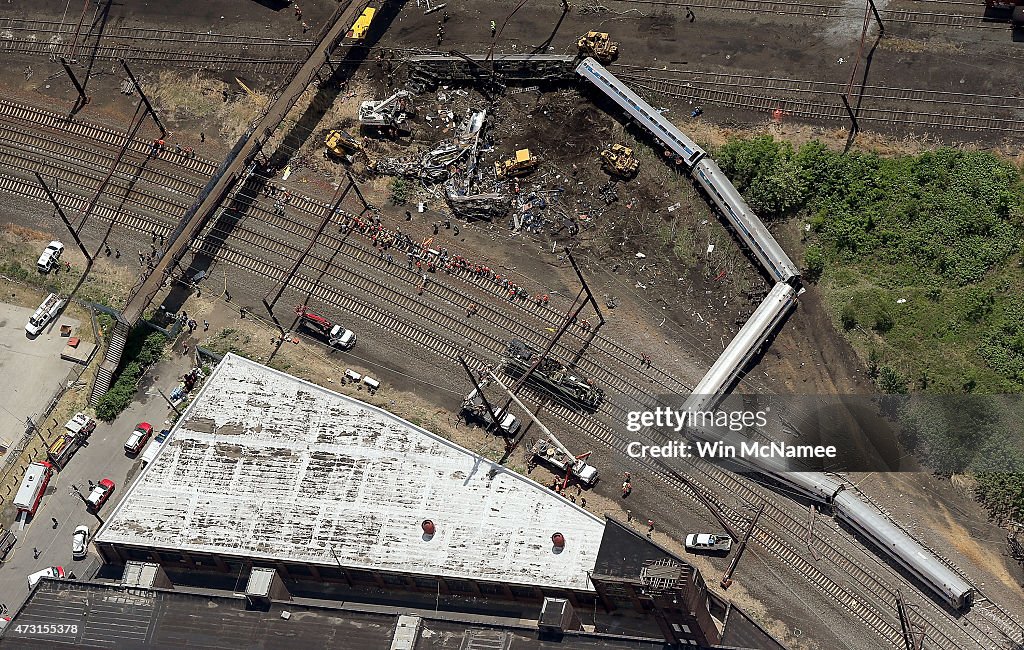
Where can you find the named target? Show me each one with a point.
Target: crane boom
(533, 417)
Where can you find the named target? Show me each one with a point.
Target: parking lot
(30, 369)
(42, 543)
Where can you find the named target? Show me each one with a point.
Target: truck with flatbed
(46, 312)
(558, 457)
(76, 432)
(335, 335)
(475, 410)
(552, 377)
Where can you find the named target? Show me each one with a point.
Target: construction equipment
(336, 335)
(522, 163)
(390, 112)
(1012, 9)
(342, 145)
(362, 24)
(475, 409)
(551, 377)
(599, 46)
(619, 160)
(552, 452)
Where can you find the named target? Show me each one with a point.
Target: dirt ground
(674, 300)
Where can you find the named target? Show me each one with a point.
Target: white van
(49, 572)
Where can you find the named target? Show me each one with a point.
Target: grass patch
(920, 259)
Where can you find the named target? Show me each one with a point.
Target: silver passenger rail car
(685, 149)
(712, 388)
(905, 550)
(745, 222)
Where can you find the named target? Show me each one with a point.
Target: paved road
(103, 457)
(30, 369)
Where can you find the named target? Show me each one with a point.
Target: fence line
(14, 453)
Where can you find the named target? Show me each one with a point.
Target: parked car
(710, 543)
(139, 438)
(80, 542)
(99, 494)
(48, 572)
(50, 257)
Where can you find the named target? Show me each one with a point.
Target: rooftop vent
(558, 540)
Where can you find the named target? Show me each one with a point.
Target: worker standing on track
(494, 28)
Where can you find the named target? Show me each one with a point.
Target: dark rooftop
(98, 615)
(105, 616)
(624, 553)
(742, 632)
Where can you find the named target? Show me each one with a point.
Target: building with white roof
(265, 471)
(263, 465)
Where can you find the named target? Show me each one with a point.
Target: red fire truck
(37, 477)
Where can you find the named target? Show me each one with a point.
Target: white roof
(265, 465)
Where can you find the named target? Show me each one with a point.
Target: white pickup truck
(47, 311)
(710, 543)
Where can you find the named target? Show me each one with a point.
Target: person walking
(494, 29)
(206, 325)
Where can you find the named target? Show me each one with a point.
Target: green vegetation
(920, 259)
(144, 348)
(399, 191)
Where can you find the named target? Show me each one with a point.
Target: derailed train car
(850, 509)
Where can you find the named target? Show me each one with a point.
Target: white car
(705, 542)
(50, 256)
(80, 543)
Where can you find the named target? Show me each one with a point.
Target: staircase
(111, 359)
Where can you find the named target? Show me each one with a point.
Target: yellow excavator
(522, 163)
(619, 160)
(599, 46)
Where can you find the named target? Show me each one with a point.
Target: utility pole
(169, 403)
(145, 100)
(305, 254)
(479, 391)
(64, 218)
(593, 302)
(83, 99)
(727, 578)
(901, 609)
(810, 534)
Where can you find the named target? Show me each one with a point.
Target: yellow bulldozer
(341, 145)
(619, 160)
(522, 163)
(599, 46)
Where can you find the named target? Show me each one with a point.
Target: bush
(399, 191)
(140, 353)
(848, 317)
(884, 320)
(814, 263)
(890, 381)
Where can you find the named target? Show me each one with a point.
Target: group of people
(159, 145)
(424, 259)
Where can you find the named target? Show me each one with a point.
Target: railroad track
(810, 100)
(817, 11)
(429, 339)
(182, 48)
